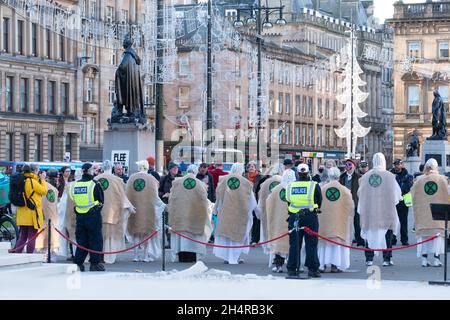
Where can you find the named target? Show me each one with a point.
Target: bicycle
(8, 228)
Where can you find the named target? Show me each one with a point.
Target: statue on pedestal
(128, 88)
(439, 118)
(413, 147)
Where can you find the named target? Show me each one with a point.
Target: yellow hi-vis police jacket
(300, 195)
(82, 194)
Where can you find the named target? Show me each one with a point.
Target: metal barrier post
(163, 230)
(49, 240)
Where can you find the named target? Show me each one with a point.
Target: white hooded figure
(277, 214)
(115, 212)
(189, 209)
(266, 188)
(67, 217)
(335, 222)
(235, 202)
(142, 191)
(378, 195)
(431, 187)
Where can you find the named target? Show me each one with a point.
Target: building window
(92, 9)
(271, 103)
(148, 93)
(38, 96)
(111, 92)
(20, 36)
(112, 57)
(89, 89)
(311, 136)
(280, 103)
(297, 135)
(335, 138)
(6, 34)
(68, 142)
(319, 136)
(319, 109)
(84, 130)
(23, 95)
(303, 135)
(62, 51)
(297, 104)
(109, 14)
(37, 148)
(124, 16)
(23, 150)
(288, 103)
(9, 146)
(64, 98)
(287, 134)
(443, 91)
(48, 43)
(34, 39)
(413, 99)
(238, 97)
(92, 130)
(51, 90)
(414, 49)
(443, 50)
(327, 137)
(304, 99)
(183, 97)
(237, 67)
(310, 107)
(183, 66)
(9, 94)
(327, 109)
(335, 113)
(51, 147)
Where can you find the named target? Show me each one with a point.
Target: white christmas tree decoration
(351, 98)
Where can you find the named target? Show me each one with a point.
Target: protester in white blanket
(431, 187)
(50, 211)
(266, 188)
(189, 215)
(277, 225)
(142, 191)
(67, 219)
(234, 205)
(378, 195)
(335, 222)
(115, 212)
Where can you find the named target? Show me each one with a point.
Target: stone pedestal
(128, 143)
(412, 164)
(440, 151)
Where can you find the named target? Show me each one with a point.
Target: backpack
(17, 192)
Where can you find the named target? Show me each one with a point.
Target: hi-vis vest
(82, 194)
(407, 198)
(300, 195)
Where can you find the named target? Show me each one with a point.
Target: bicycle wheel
(8, 230)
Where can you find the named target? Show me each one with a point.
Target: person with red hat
(151, 168)
(350, 179)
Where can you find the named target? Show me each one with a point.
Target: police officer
(88, 198)
(305, 198)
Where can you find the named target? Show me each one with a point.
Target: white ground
(199, 282)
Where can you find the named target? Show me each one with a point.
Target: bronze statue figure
(413, 147)
(439, 118)
(128, 87)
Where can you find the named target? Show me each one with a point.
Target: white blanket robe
(180, 244)
(376, 238)
(232, 254)
(63, 243)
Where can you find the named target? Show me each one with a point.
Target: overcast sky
(384, 8)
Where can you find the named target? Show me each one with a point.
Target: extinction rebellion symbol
(234, 183)
(273, 185)
(189, 183)
(283, 195)
(139, 184)
(333, 194)
(51, 196)
(375, 180)
(430, 188)
(104, 183)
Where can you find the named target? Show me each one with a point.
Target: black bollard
(49, 241)
(163, 230)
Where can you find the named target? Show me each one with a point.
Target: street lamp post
(252, 20)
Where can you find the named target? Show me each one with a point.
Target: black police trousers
(88, 233)
(310, 220)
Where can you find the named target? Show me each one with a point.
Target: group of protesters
(244, 207)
